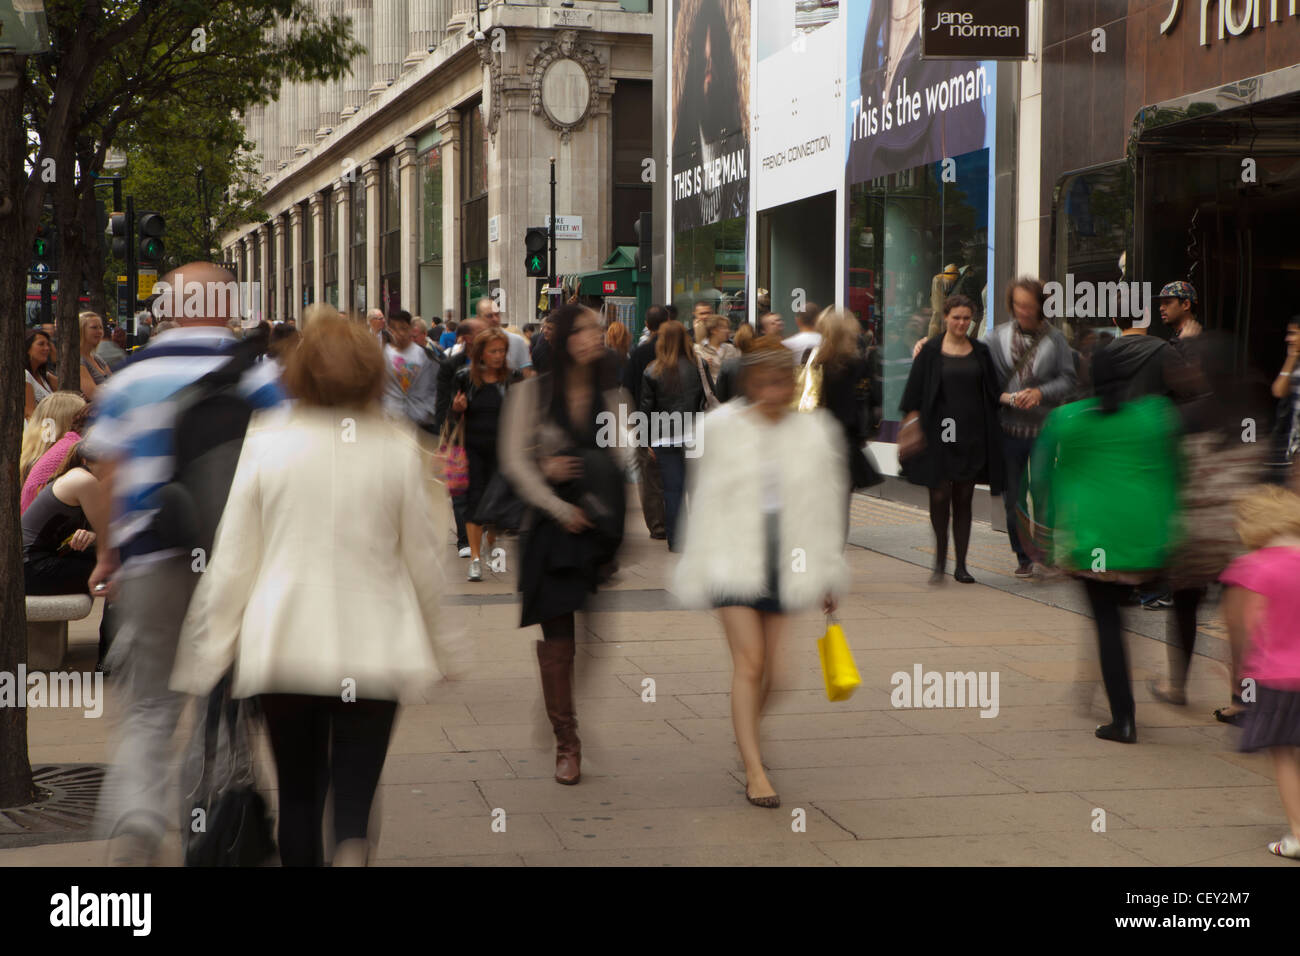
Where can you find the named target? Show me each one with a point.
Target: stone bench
(47, 627)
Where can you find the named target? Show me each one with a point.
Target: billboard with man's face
(710, 115)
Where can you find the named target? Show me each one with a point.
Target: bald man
(146, 563)
(518, 355)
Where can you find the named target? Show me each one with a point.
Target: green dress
(1110, 484)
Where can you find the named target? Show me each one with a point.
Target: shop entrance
(1217, 201)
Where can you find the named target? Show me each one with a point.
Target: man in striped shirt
(151, 581)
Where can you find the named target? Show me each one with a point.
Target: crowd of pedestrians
(314, 471)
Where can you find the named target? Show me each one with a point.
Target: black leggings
(559, 628)
(954, 495)
(316, 741)
(1181, 627)
(1106, 599)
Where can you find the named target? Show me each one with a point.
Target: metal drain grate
(64, 811)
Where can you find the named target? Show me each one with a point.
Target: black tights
(1183, 625)
(1105, 597)
(559, 628)
(956, 495)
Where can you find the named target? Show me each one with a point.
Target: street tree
(112, 63)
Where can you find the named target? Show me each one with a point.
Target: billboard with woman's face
(904, 111)
(710, 116)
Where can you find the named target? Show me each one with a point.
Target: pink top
(45, 467)
(1273, 657)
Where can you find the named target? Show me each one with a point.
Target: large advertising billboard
(905, 111)
(919, 156)
(710, 114)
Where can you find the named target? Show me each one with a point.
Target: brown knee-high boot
(555, 659)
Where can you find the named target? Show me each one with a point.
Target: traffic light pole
(555, 294)
(132, 267)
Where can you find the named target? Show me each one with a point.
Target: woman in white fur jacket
(765, 535)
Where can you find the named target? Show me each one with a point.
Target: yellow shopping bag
(838, 668)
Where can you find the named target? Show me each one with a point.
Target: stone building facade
(410, 182)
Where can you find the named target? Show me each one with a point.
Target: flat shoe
(1288, 847)
(1164, 696)
(1124, 733)
(1233, 719)
(767, 803)
(962, 575)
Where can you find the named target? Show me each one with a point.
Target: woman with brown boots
(551, 453)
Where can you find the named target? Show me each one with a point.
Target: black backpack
(211, 419)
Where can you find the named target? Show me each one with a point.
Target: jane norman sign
(1230, 23)
(975, 30)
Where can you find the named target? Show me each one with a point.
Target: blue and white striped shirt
(136, 414)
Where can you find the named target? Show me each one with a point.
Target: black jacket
(922, 394)
(1154, 367)
(446, 372)
(637, 361)
(684, 395)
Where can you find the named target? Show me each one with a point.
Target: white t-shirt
(403, 369)
(518, 355)
(800, 342)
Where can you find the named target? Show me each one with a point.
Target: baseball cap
(1178, 290)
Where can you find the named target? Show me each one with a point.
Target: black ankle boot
(1122, 731)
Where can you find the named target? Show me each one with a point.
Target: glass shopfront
(914, 239)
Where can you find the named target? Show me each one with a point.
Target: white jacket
(725, 552)
(325, 565)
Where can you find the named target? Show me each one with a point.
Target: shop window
(308, 250)
(914, 239)
(632, 114)
(1092, 227)
(330, 242)
(358, 250)
(709, 266)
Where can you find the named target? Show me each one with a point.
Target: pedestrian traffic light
(535, 264)
(644, 246)
(121, 230)
(151, 227)
(44, 251)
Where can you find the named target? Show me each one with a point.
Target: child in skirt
(1262, 608)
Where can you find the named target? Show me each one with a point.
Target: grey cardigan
(1051, 371)
(528, 435)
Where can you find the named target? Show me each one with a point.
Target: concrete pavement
(861, 781)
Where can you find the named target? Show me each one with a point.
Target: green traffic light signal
(535, 262)
(42, 248)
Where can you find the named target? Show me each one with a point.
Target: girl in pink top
(1262, 609)
(46, 466)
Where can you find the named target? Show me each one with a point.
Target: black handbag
(500, 507)
(226, 822)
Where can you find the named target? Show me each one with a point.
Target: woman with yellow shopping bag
(765, 532)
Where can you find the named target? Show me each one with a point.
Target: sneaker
(1025, 569)
(463, 552)
(475, 570)
(1158, 603)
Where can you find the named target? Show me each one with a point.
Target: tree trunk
(16, 236)
(93, 254)
(67, 223)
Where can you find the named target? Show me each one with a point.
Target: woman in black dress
(561, 454)
(480, 390)
(949, 439)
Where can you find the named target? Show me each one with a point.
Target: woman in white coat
(312, 592)
(765, 535)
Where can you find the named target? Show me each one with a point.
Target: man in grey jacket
(1036, 369)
